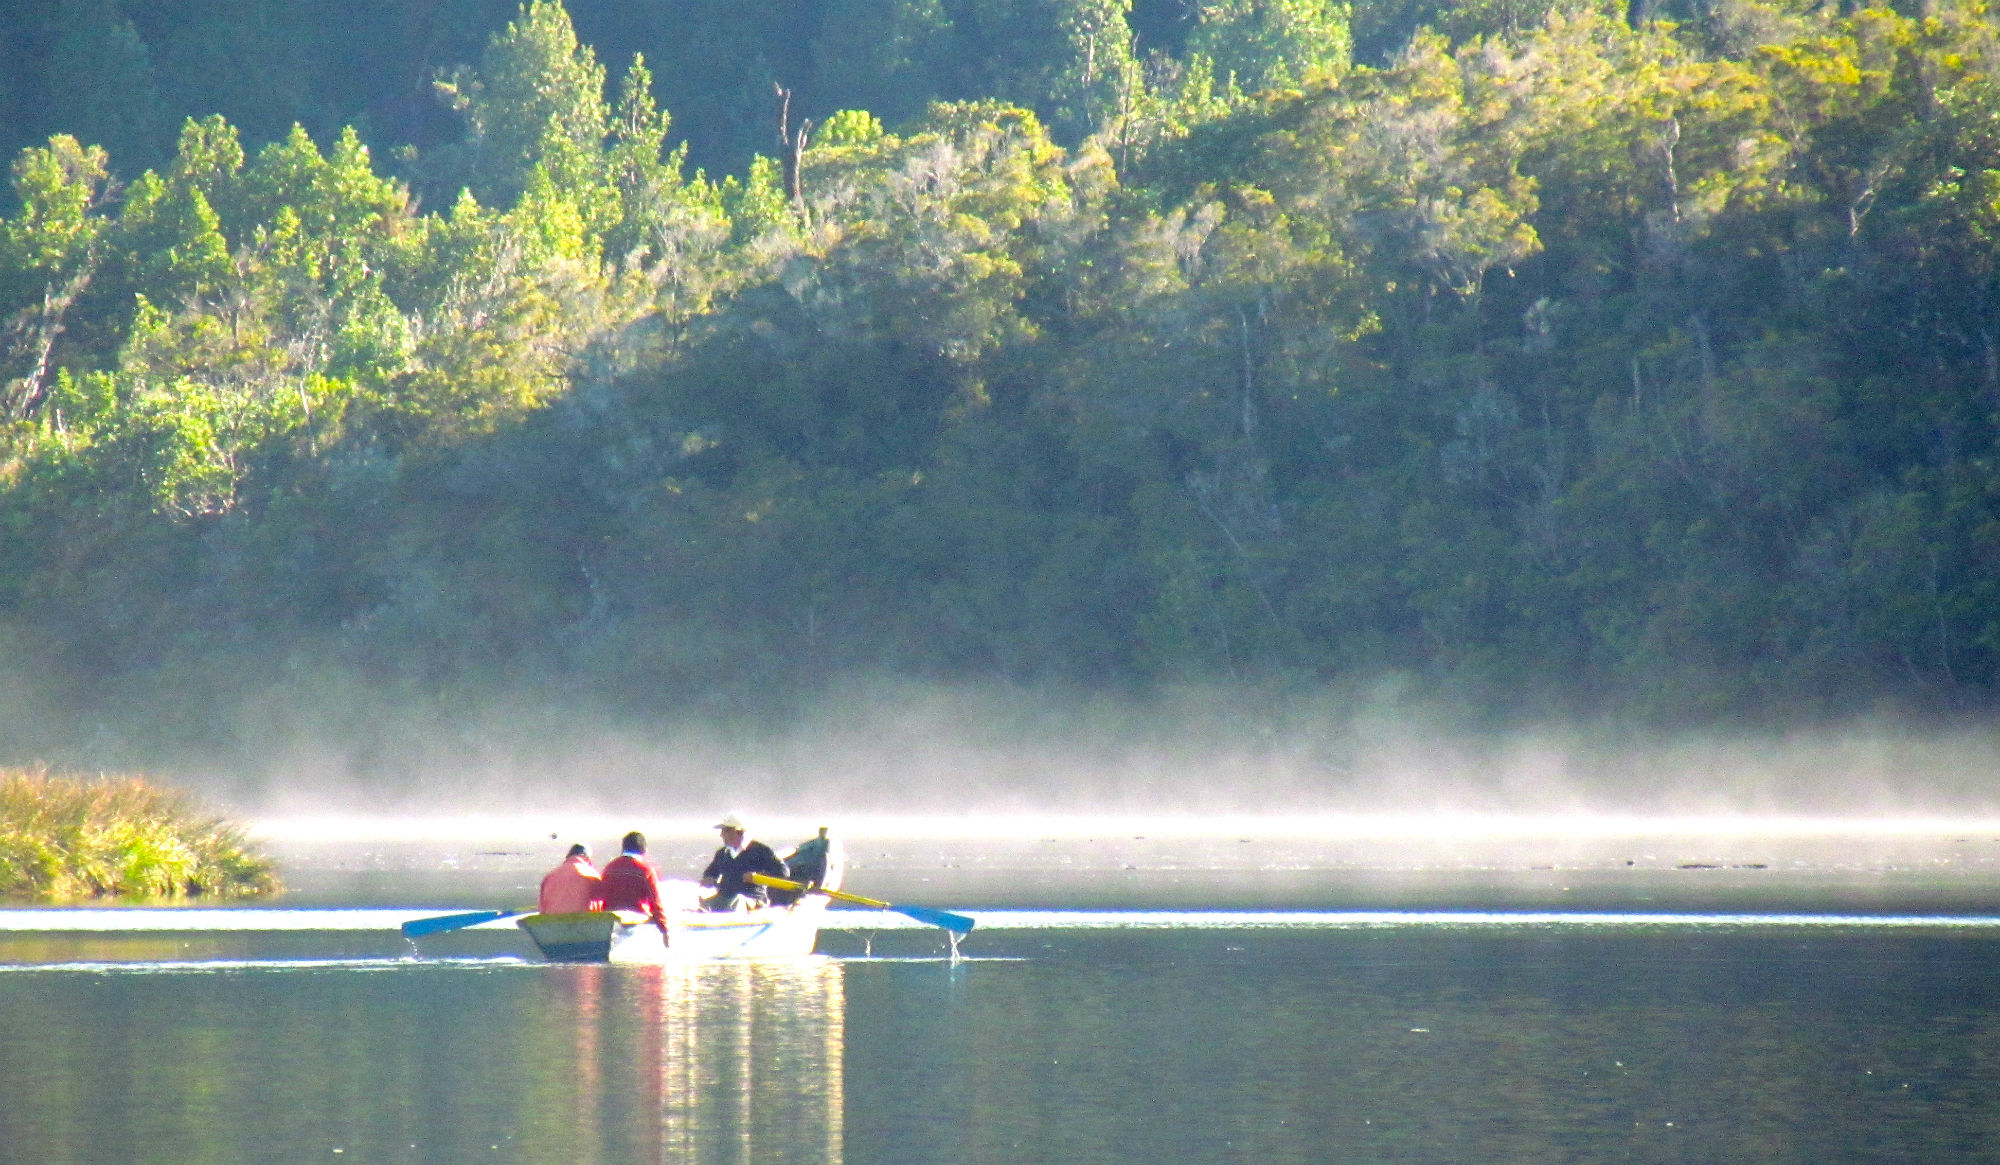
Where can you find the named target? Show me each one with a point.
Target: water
(1074, 1032)
(1431, 1041)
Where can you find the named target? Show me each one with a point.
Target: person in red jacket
(631, 883)
(574, 886)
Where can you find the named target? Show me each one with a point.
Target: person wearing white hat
(729, 871)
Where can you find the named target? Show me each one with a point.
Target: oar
(418, 927)
(955, 923)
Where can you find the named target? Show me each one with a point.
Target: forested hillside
(1554, 359)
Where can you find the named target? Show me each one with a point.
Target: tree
(48, 255)
(537, 100)
(889, 57)
(1273, 44)
(101, 86)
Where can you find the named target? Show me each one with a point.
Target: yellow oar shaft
(842, 895)
(955, 923)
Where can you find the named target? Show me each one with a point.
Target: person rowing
(808, 860)
(729, 870)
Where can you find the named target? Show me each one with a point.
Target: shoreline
(69, 838)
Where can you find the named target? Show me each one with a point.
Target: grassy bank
(65, 838)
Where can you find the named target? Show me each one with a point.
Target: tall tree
(536, 100)
(101, 86)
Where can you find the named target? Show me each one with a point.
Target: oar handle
(839, 895)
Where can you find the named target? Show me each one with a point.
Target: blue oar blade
(955, 923)
(418, 927)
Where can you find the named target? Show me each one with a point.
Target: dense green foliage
(1547, 358)
(67, 838)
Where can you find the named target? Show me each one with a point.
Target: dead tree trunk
(792, 143)
(30, 339)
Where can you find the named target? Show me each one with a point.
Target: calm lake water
(1138, 1033)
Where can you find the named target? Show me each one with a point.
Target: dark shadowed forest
(1540, 360)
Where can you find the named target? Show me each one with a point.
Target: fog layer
(899, 749)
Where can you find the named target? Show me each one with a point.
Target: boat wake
(180, 919)
(989, 920)
(213, 966)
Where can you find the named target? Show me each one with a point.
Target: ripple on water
(170, 919)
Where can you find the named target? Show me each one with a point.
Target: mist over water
(900, 749)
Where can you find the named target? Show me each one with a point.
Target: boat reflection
(720, 1062)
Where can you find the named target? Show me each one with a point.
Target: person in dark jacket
(729, 871)
(808, 860)
(808, 863)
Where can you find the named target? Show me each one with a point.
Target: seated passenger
(807, 863)
(574, 886)
(631, 883)
(729, 871)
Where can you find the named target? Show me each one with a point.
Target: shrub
(66, 837)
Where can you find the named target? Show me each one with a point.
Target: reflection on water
(1280, 1044)
(1431, 1045)
(371, 1060)
(723, 1063)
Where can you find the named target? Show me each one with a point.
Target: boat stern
(571, 938)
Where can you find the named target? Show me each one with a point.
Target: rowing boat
(782, 929)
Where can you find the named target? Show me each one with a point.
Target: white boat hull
(768, 932)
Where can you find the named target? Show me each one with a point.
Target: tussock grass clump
(64, 838)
